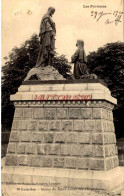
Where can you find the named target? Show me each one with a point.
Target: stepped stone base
(69, 179)
(66, 128)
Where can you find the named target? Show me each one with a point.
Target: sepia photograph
(62, 93)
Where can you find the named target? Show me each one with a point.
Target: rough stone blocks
(70, 150)
(11, 148)
(18, 113)
(70, 163)
(55, 125)
(30, 148)
(75, 135)
(54, 149)
(97, 113)
(42, 149)
(97, 164)
(59, 137)
(39, 113)
(62, 113)
(84, 138)
(86, 113)
(37, 137)
(12, 160)
(97, 138)
(43, 125)
(79, 125)
(32, 125)
(50, 113)
(83, 163)
(109, 163)
(14, 136)
(59, 162)
(89, 125)
(21, 148)
(98, 151)
(35, 161)
(71, 137)
(115, 161)
(23, 160)
(74, 113)
(67, 125)
(25, 136)
(28, 113)
(22, 125)
(85, 150)
(48, 137)
(14, 125)
(98, 126)
(46, 161)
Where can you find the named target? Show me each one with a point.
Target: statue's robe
(79, 59)
(47, 41)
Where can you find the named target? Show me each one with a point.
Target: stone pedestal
(63, 133)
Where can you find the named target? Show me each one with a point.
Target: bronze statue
(43, 70)
(47, 39)
(79, 59)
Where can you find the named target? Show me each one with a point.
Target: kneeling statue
(79, 59)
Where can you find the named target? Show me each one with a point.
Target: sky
(21, 19)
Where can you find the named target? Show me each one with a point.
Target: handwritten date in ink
(115, 16)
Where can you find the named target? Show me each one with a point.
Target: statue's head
(51, 11)
(80, 43)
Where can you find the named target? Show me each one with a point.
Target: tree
(17, 65)
(108, 64)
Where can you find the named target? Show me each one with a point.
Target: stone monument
(63, 132)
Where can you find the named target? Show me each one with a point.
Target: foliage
(17, 65)
(108, 64)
